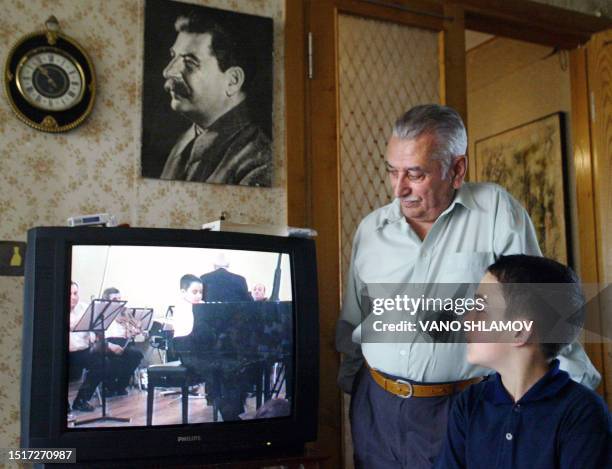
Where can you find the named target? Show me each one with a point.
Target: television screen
(144, 344)
(134, 308)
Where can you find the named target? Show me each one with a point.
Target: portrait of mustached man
(207, 101)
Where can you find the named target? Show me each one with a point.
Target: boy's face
(489, 349)
(193, 294)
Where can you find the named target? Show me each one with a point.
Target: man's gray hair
(443, 122)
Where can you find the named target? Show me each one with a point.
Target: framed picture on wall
(207, 95)
(529, 161)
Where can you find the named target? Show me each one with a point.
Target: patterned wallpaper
(45, 178)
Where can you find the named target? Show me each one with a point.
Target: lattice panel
(384, 69)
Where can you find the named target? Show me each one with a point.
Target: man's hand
(116, 349)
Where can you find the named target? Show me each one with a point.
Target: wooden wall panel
(585, 199)
(454, 71)
(323, 151)
(599, 54)
(295, 110)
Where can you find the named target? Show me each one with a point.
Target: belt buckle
(410, 389)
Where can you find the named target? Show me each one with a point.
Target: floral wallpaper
(45, 178)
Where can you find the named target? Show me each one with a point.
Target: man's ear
(235, 79)
(458, 170)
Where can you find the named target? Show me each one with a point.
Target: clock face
(50, 79)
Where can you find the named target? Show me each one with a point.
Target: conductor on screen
(229, 381)
(222, 285)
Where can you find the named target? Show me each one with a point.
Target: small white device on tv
(103, 219)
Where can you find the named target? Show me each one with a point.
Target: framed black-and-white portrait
(207, 95)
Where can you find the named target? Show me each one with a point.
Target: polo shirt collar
(394, 213)
(548, 386)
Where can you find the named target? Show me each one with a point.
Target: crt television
(248, 351)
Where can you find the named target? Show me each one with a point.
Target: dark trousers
(390, 432)
(227, 383)
(229, 392)
(92, 362)
(121, 367)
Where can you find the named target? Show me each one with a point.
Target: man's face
(259, 292)
(74, 296)
(196, 84)
(193, 294)
(416, 178)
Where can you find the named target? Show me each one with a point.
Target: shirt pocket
(465, 267)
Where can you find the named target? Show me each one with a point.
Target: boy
(529, 414)
(191, 293)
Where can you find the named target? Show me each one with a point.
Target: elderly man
(207, 79)
(437, 230)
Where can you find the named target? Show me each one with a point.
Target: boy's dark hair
(560, 306)
(108, 292)
(187, 280)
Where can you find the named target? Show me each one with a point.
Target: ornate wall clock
(49, 80)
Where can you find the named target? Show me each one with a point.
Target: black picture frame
(161, 126)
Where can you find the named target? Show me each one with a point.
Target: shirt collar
(464, 197)
(547, 386)
(394, 214)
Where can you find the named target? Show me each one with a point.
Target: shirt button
(402, 352)
(517, 408)
(509, 436)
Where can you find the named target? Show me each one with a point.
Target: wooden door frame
(589, 240)
(313, 144)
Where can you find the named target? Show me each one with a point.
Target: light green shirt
(482, 223)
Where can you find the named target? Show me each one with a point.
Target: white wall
(148, 276)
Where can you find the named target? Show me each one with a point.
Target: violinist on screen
(123, 357)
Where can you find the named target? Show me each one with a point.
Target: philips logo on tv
(182, 439)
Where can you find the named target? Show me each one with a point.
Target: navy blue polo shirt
(558, 423)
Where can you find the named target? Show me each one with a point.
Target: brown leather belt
(405, 389)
